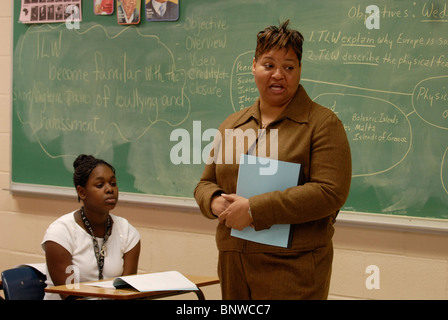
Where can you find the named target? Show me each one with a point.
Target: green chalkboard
(148, 97)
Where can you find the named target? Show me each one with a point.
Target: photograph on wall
(128, 11)
(50, 11)
(162, 10)
(103, 7)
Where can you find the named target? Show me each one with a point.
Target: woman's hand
(236, 215)
(218, 205)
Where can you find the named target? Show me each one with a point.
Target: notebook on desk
(157, 281)
(259, 175)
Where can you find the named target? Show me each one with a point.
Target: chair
(23, 283)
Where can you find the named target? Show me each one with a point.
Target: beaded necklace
(99, 254)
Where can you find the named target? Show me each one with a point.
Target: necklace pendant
(103, 251)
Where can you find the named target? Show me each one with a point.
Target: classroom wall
(407, 265)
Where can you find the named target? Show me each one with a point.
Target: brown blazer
(308, 134)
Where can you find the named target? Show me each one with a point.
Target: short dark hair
(84, 165)
(278, 38)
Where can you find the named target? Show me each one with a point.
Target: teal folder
(259, 175)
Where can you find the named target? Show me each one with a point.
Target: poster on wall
(50, 11)
(128, 11)
(103, 7)
(162, 10)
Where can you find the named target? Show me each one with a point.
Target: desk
(82, 290)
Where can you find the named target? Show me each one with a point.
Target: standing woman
(308, 134)
(91, 243)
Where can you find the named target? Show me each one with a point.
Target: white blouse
(76, 240)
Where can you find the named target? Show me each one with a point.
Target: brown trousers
(271, 276)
